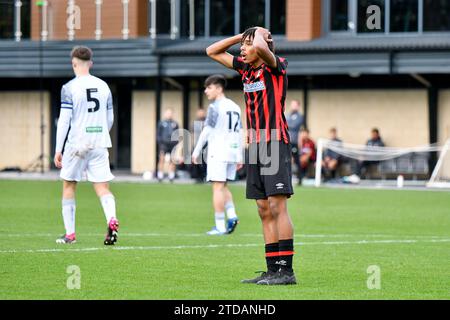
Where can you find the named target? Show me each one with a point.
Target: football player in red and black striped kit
(264, 80)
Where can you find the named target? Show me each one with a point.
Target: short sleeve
(282, 64)
(66, 98)
(238, 64)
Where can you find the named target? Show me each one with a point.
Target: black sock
(272, 257)
(286, 253)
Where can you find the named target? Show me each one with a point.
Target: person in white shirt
(223, 134)
(85, 119)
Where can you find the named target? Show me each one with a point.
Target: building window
(386, 16)
(221, 17)
(339, 15)
(436, 15)
(369, 22)
(252, 13)
(163, 14)
(7, 19)
(184, 18)
(199, 17)
(225, 18)
(278, 17)
(403, 15)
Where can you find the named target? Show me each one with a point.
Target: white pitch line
(151, 234)
(211, 246)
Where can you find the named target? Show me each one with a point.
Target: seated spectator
(307, 153)
(374, 141)
(331, 159)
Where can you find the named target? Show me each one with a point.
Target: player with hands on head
(264, 81)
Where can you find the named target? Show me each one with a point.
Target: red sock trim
(272, 254)
(286, 253)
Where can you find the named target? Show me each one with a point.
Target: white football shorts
(220, 171)
(94, 162)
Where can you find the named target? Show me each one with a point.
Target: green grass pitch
(163, 252)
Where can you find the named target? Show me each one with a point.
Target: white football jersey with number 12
(225, 140)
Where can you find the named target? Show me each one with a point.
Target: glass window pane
(436, 15)
(25, 17)
(278, 17)
(252, 13)
(404, 15)
(339, 15)
(199, 17)
(221, 18)
(373, 21)
(6, 19)
(184, 18)
(163, 16)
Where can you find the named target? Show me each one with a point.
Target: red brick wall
(303, 19)
(111, 21)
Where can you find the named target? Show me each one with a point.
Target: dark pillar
(158, 89)
(306, 87)
(433, 121)
(186, 100)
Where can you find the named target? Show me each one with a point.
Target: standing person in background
(295, 122)
(198, 171)
(165, 144)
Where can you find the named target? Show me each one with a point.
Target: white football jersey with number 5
(90, 99)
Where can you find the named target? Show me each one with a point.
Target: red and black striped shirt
(265, 95)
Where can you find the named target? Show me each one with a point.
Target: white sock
(68, 213)
(160, 175)
(109, 206)
(171, 175)
(220, 221)
(231, 211)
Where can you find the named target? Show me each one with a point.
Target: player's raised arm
(260, 43)
(218, 50)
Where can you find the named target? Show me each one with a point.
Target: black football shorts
(269, 170)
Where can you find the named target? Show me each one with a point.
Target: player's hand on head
(58, 160)
(265, 33)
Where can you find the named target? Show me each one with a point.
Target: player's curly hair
(250, 33)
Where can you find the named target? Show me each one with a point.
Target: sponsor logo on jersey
(94, 129)
(255, 86)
